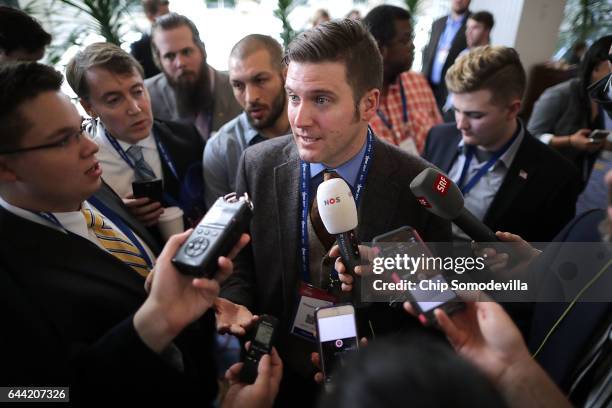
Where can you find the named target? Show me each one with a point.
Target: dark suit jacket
(267, 273)
(429, 52)
(66, 308)
(571, 339)
(185, 148)
(141, 50)
(536, 208)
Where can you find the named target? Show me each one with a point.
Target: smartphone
(404, 240)
(152, 189)
(262, 343)
(337, 337)
(431, 289)
(598, 135)
(431, 294)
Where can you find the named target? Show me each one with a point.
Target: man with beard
(446, 42)
(407, 106)
(257, 76)
(188, 90)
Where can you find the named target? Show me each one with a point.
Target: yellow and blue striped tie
(115, 242)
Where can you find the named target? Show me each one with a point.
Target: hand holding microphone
(339, 215)
(441, 196)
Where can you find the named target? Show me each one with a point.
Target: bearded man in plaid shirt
(407, 105)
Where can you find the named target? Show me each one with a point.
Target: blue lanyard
(483, 170)
(116, 219)
(364, 168)
(160, 148)
(384, 117)
(51, 218)
(111, 215)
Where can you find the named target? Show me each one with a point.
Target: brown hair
(171, 21)
(255, 42)
(494, 68)
(483, 17)
(151, 7)
(346, 41)
(104, 55)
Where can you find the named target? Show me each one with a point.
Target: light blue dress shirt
(444, 44)
(479, 198)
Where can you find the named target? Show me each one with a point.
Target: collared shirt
(222, 156)
(444, 44)
(479, 198)
(348, 171)
(422, 111)
(72, 221)
(118, 174)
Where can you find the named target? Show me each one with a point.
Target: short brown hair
(346, 41)
(494, 68)
(171, 21)
(255, 42)
(104, 55)
(483, 17)
(151, 7)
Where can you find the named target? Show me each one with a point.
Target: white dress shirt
(116, 172)
(73, 221)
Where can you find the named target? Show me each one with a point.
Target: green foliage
(414, 7)
(105, 17)
(585, 20)
(285, 7)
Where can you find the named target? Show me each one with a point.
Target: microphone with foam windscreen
(339, 215)
(441, 196)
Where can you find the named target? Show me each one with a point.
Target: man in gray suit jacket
(329, 118)
(188, 90)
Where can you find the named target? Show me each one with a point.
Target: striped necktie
(115, 242)
(143, 171)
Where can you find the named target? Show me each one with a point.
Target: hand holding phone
(427, 295)
(598, 135)
(337, 337)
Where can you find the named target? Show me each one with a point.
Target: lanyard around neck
(469, 155)
(364, 168)
(386, 120)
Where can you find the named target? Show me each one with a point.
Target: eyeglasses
(62, 143)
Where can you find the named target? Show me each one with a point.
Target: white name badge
(311, 298)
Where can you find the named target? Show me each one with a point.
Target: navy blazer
(458, 44)
(536, 206)
(185, 148)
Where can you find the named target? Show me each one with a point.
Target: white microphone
(339, 215)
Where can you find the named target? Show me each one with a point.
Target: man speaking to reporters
(333, 87)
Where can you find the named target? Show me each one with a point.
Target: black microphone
(441, 196)
(339, 215)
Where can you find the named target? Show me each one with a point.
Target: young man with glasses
(73, 262)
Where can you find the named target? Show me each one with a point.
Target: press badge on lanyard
(310, 297)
